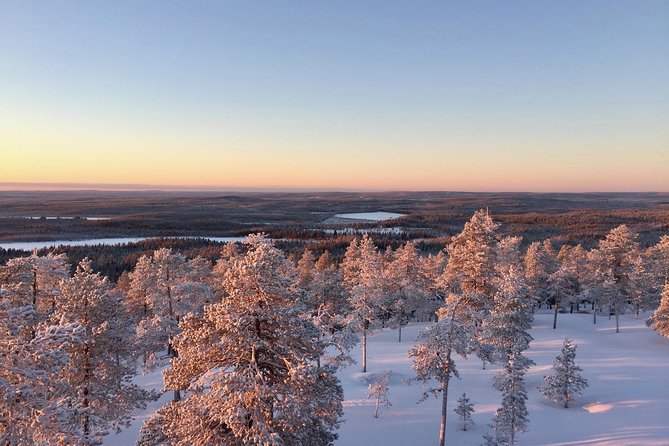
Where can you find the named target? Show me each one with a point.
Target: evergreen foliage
(566, 383)
(249, 364)
(464, 410)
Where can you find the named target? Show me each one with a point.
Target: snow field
(626, 404)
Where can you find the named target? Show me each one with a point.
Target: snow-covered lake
(29, 246)
(370, 216)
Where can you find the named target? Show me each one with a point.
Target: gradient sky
(471, 95)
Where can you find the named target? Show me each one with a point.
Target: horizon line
(139, 187)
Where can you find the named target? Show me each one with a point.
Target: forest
(249, 345)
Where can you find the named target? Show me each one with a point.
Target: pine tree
(617, 260)
(563, 284)
(660, 319)
(566, 383)
(99, 370)
(470, 270)
(512, 415)
(657, 264)
(506, 328)
(32, 388)
(229, 255)
(163, 289)
(363, 278)
(406, 288)
(432, 354)
(34, 281)
(540, 263)
(464, 410)
(330, 309)
(432, 268)
(249, 364)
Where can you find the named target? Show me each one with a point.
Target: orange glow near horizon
(67, 152)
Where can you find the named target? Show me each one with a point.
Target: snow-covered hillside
(626, 404)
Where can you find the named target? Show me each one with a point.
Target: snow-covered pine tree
(32, 388)
(566, 383)
(101, 367)
(470, 270)
(464, 411)
(229, 255)
(432, 268)
(249, 364)
(378, 390)
(363, 278)
(163, 289)
(34, 281)
(329, 310)
(616, 265)
(512, 415)
(406, 288)
(563, 284)
(432, 354)
(657, 264)
(660, 319)
(539, 263)
(506, 328)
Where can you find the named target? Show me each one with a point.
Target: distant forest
(296, 220)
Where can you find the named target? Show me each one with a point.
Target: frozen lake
(370, 216)
(59, 218)
(29, 246)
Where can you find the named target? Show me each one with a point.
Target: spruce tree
(566, 383)
(464, 410)
(512, 415)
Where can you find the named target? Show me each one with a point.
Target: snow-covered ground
(626, 404)
(370, 216)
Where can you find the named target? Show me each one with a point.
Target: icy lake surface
(29, 246)
(370, 216)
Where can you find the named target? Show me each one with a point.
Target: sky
(340, 95)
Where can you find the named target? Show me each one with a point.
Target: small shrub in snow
(379, 391)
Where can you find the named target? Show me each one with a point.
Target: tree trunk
(615, 309)
(555, 312)
(364, 350)
(85, 403)
(399, 338)
(444, 411)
